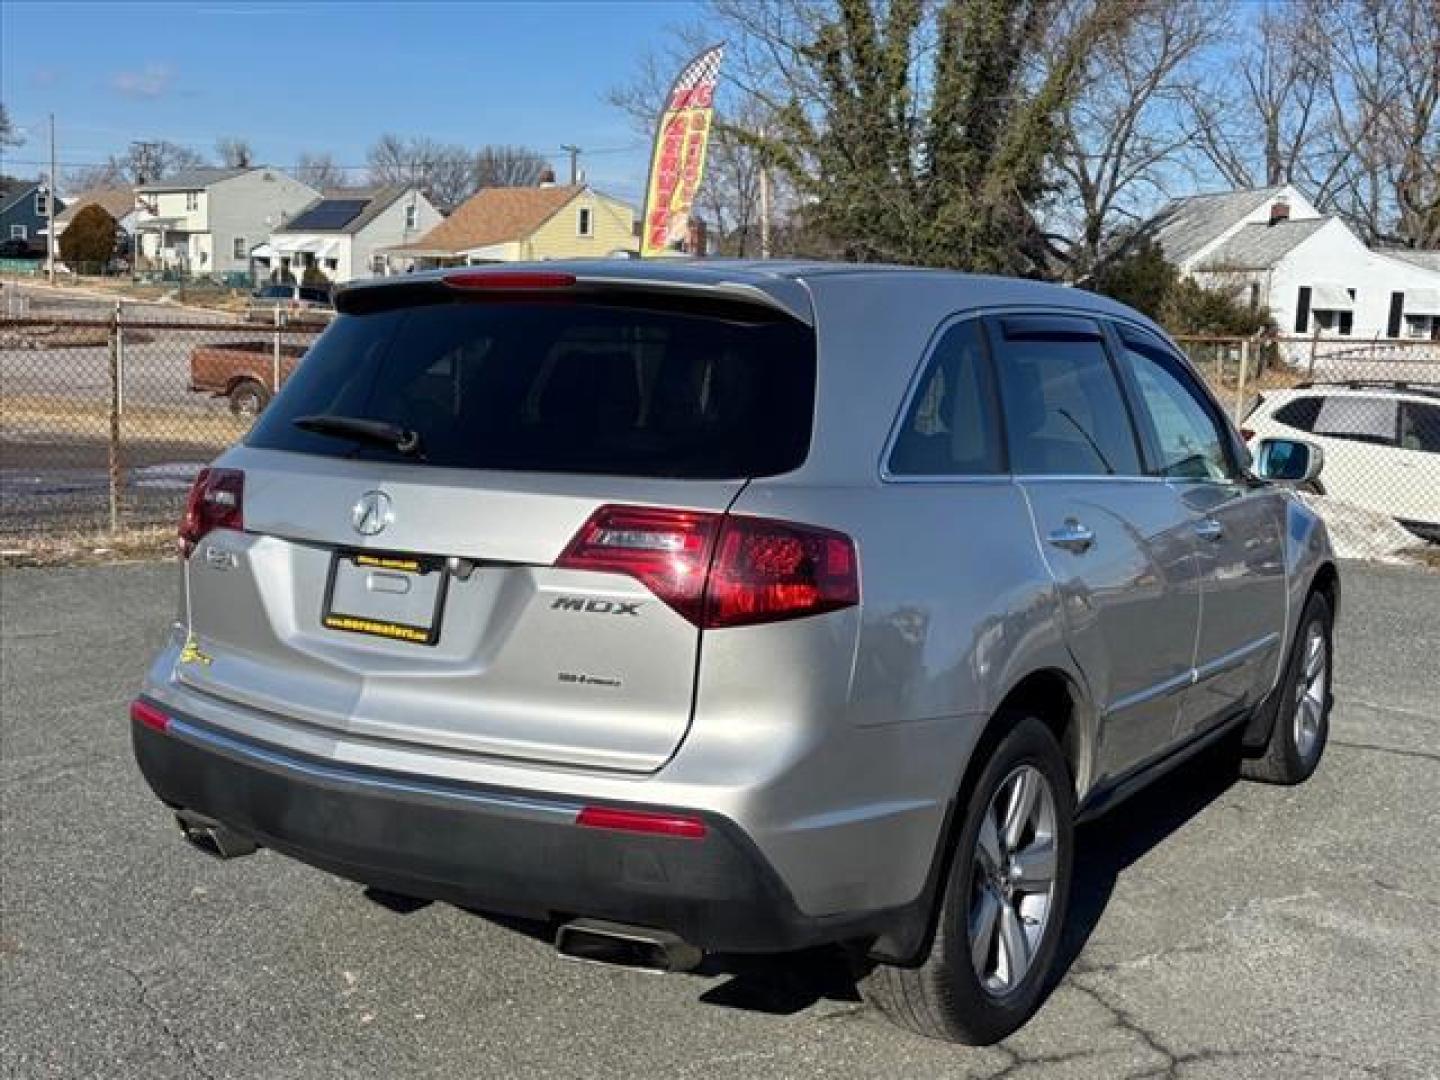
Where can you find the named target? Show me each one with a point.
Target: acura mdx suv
(736, 607)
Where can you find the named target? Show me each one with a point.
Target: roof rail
(1401, 385)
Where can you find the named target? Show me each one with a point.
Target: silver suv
(735, 607)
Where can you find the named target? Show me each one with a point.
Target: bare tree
(143, 162)
(1124, 136)
(1380, 164)
(318, 169)
(507, 166)
(234, 153)
(444, 171)
(1259, 115)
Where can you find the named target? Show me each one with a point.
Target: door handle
(1072, 536)
(1210, 529)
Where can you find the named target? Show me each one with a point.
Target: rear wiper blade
(383, 432)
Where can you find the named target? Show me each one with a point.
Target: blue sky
(329, 76)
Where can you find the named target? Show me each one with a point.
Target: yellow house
(522, 224)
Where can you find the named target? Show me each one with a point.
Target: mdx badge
(372, 513)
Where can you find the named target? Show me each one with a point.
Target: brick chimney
(1279, 211)
(696, 237)
(547, 177)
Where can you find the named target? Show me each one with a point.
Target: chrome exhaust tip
(595, 941)
(212, 837)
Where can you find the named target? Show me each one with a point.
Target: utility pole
(764, 201)
(574, 152)
(50, 210)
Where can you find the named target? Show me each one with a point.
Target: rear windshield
(276, 292)
(575, 387)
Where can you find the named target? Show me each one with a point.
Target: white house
(344, 232)
(204, 222)
(1274, 248)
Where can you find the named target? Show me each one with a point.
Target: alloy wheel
(1013, 880)
(1311, 689)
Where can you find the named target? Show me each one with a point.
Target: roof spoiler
(777, 294)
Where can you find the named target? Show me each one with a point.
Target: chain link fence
(104, 422)
(1373, 408)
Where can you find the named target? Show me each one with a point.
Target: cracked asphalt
(1219, 929)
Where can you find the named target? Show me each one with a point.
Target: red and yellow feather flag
(677, 163)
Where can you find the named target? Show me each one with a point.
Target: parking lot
(1220, 929)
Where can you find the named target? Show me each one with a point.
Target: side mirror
(1288, 461)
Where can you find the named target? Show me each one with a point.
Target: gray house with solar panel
(203, 222)
(344, 234)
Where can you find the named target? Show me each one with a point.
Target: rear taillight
(216, 501)
(765, 571)
(720, 570)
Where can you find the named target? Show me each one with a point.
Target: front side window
(950, 428)
(1358, 419)
(1063, 409)
(1420, 427)
(1188, 440)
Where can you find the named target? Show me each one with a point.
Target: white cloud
(152, 81)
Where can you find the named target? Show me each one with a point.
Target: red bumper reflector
(143, 712)
(640, 821)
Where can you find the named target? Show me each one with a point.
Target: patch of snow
(1357, 533)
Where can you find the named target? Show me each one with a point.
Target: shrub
(89, 238)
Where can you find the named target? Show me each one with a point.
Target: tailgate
(528, 661)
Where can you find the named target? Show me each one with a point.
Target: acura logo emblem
(372, 513)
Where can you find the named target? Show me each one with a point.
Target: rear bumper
(508, 852)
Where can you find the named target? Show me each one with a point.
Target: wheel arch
(1056, 698)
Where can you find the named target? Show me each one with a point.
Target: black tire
(943, 997)
(1288, 757)
(249, 398)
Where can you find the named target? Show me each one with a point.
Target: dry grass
(144, 423)
(87, 548)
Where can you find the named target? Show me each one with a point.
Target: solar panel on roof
(329, 214)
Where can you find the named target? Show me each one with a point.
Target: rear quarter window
(574, 387)
(1299, 413)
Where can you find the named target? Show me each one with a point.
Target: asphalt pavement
(1220, 929)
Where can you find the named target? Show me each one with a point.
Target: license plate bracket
(387, 595)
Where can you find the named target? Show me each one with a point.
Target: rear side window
(1063, 408)
(276, 292)
(574, 387)
(951, 427)
(1300, 413)
(1420, 426)
(315, 296)
(1360, 419)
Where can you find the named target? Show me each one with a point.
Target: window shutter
(1397, 308)
(1302, 310)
